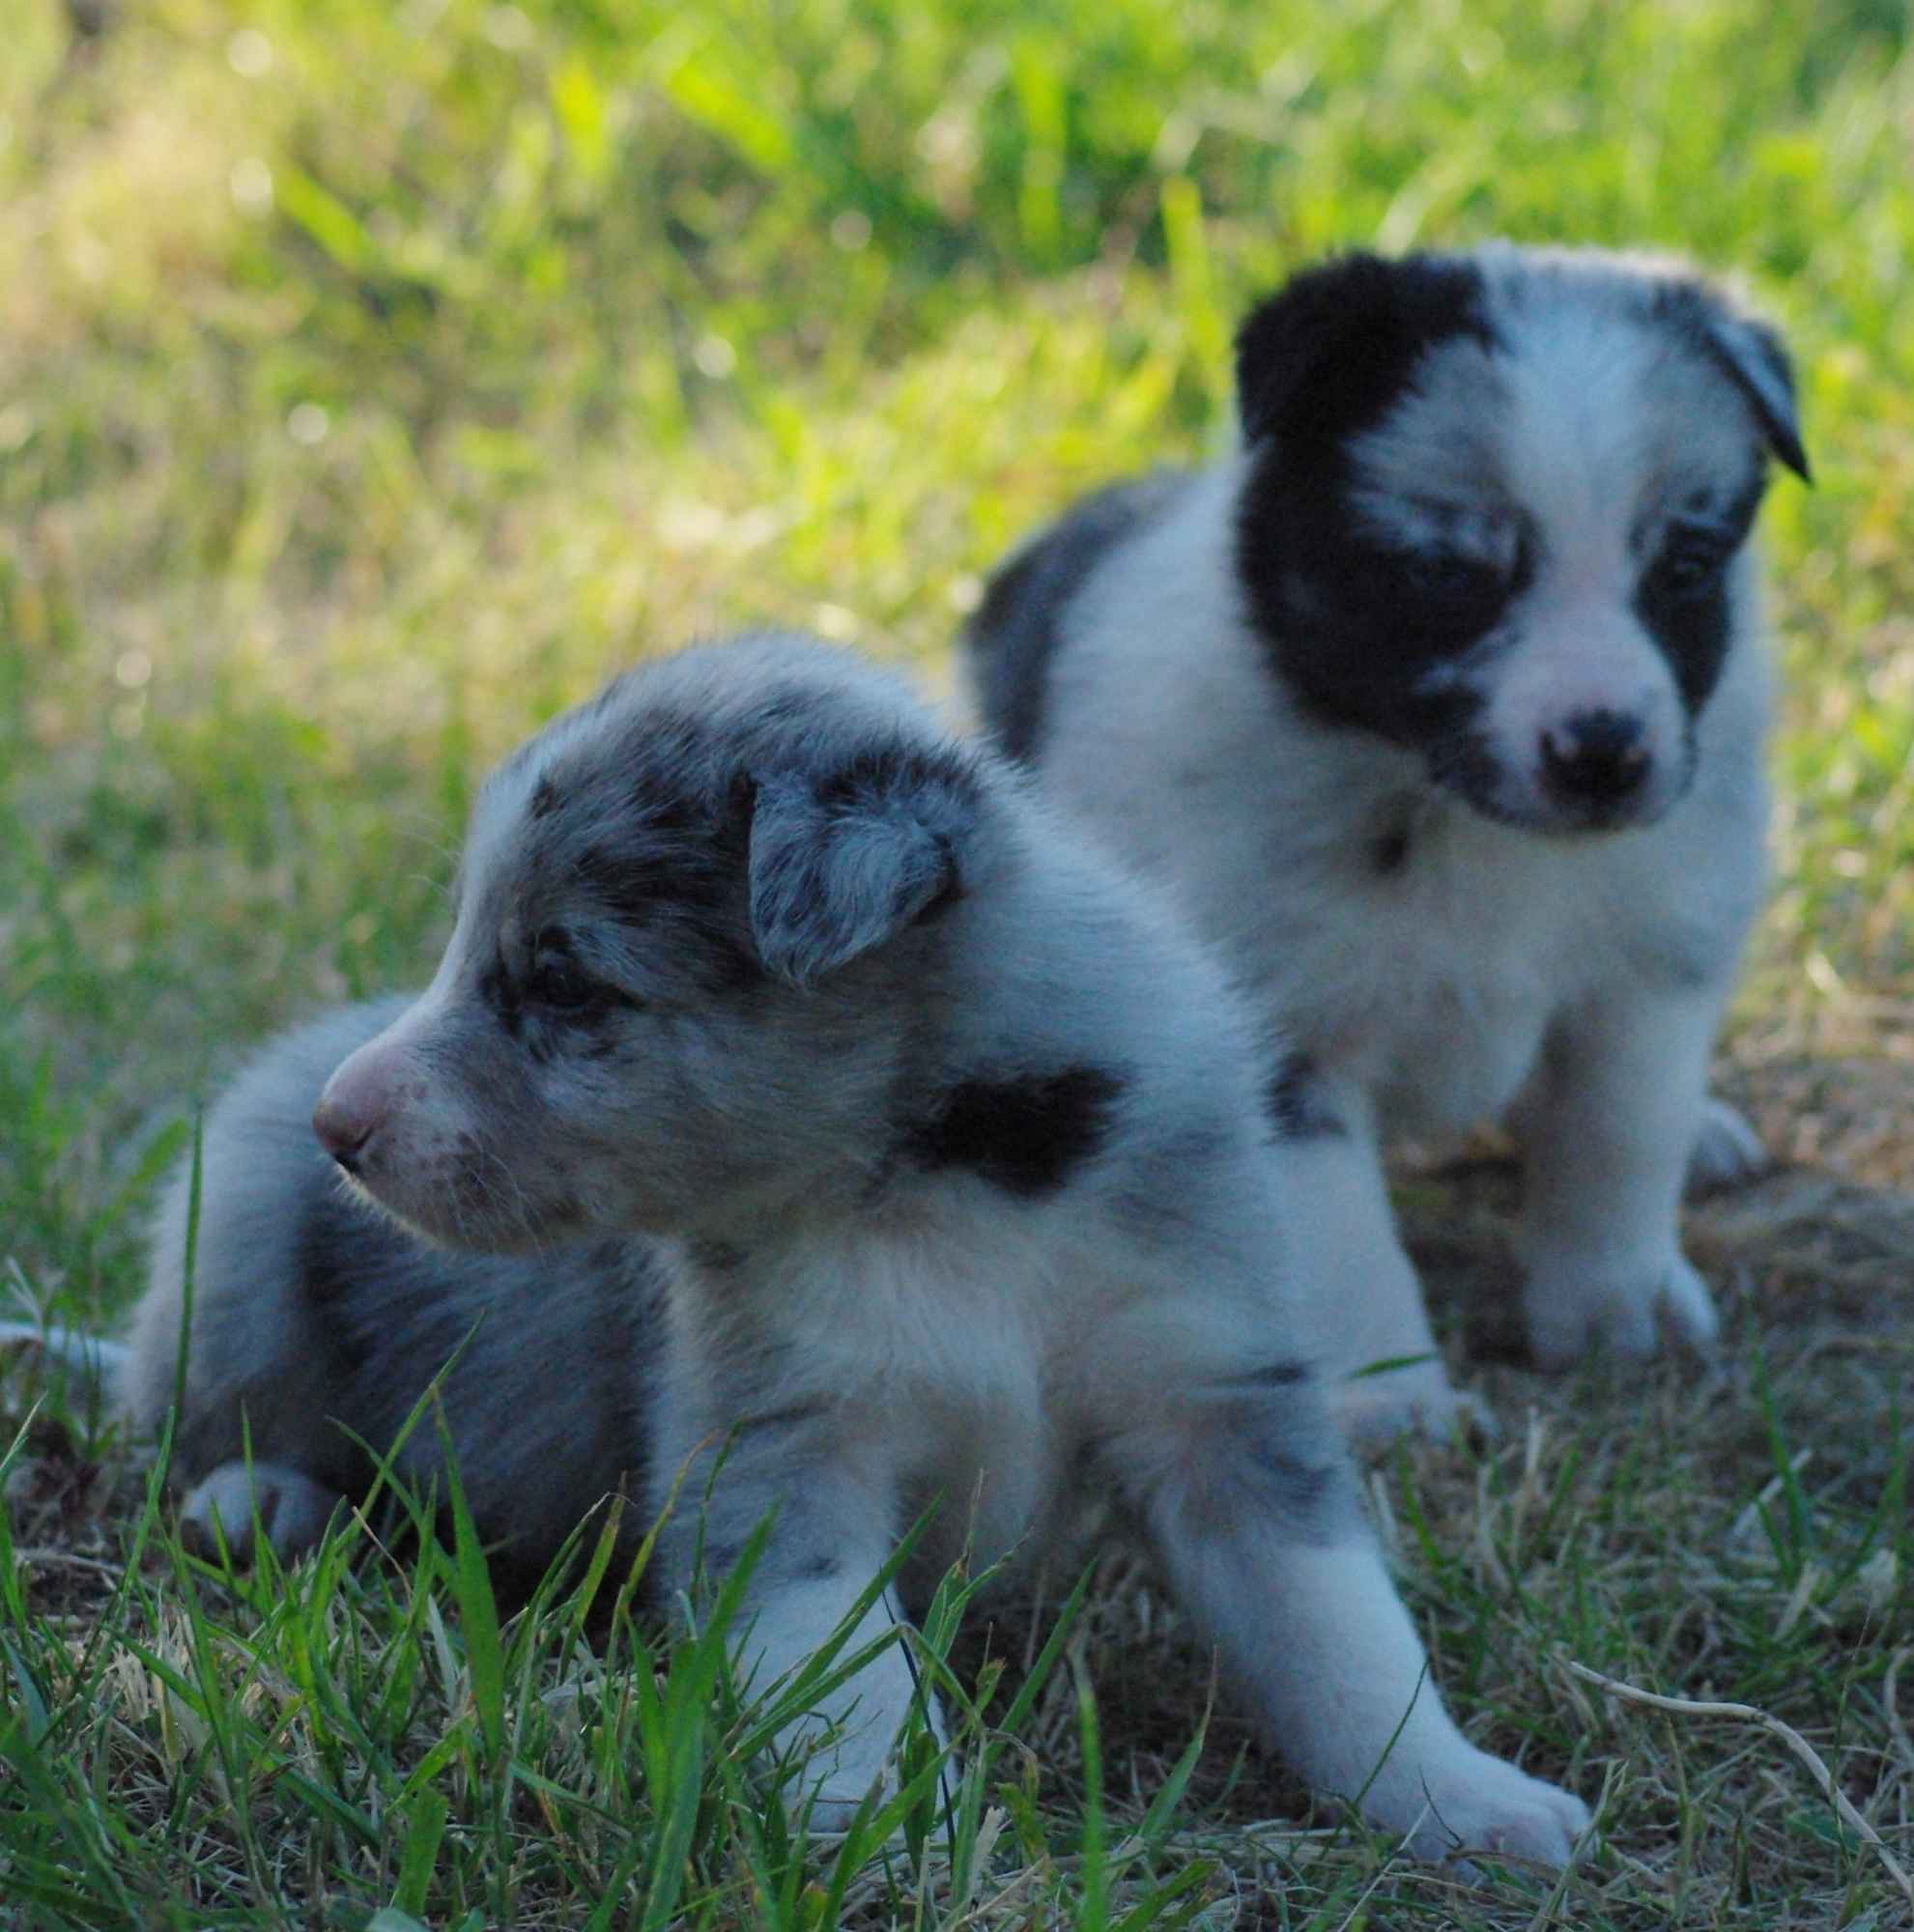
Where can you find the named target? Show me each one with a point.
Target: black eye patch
(1462, 589)
(1693, 557)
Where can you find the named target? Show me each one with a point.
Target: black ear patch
(1337, 345)
(841, 862)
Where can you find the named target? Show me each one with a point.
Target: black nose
(1595, 760)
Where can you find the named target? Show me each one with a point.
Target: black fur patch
(545, 798)
(1026, 1135)
(1295, 1104)
(1353, 624)
(664, 852)
(1690, 619)
(1014, 636)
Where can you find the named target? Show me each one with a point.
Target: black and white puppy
(1441, 702)
(796, 1090)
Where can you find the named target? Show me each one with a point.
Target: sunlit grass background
(375, 377)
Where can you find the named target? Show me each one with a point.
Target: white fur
(1572, 985)
(854, 1320)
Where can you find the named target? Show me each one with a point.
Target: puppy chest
(943, 1344)
(1438, 998)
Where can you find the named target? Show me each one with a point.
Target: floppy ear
(842, 864)
(1756, 360)
(1353, 326)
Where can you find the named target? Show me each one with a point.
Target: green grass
(374, 377)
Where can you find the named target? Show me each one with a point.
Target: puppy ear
(842, 864)
(1756, 360)
(1353, 328)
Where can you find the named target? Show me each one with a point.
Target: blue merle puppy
(1441, 702)
(807, 1109)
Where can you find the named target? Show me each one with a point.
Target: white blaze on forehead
(1615, 424)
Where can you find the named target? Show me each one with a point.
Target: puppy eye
(558, 980)
(1693, 558)
(1450, 576)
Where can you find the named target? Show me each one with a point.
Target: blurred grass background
(374, 377)
(375, 374)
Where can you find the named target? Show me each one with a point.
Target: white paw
(1481, 1803)
(851, 1752)
(1625, 1306)
(842, 1776)
(1376, 1410)
(1726, 1150)
(292, 1509)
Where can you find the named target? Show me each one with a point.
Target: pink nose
(357, 1102)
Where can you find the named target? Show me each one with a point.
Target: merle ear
(1756, 360)
(1347, 331)
(839, 864)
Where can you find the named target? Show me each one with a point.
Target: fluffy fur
(793, 1087)
(1441, 702)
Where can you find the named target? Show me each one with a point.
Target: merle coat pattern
(1442, 704)
(794, 1089)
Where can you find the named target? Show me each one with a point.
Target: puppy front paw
(1572, 1306)
(1417, 1399)
(1477, 1803)
(851, 1751)
(291, 1509)
(1726, 1152)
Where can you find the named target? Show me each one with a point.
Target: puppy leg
(1607, 1125)
(291, 1509)
(1358, 1301)
(1254, 1510)
(834, 1507)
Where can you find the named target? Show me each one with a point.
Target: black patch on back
(1351, 624)
(1027, 1134)
(1014, 633)
(1295, 1103)
(545, 798)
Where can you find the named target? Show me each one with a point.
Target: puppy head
(1497, 510)
(695, 924)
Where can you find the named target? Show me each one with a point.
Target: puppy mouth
(458, 1208)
